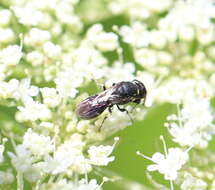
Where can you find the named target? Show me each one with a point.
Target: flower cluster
(52, 55)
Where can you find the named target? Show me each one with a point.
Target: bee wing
(89, 108)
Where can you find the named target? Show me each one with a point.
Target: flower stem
(20, 182)
(171, 185)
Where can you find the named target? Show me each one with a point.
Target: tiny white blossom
(31, 111)
(65, 14)
(104, 41)
(22, 160)
(7, 35)
(37, 37)
(191, 182)
(198, 112)
(65, 184)
(33, 174)
(6, 178)
(67, 87)
(136, 34)
(51, 50)
(81, 165)
(19, 90)
(91, 185)
(67, 156)
(28, 15)
(119, 72)
(186, 14)
(138, 9)
(50, 97)
(194, 128)
(186, 33)
(35, 58)
(7, 89)
(99, 155)
(5, 16)
(39, 145)
(157, 39)
(146, 57)
(24, 89)
(169, 164)
(11, 55)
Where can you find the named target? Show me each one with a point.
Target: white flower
(136, 34)
(23, 89)
(81, 165)
(31, 111)
(51, 50)
(104, 41)
(11, 55)
(39, 145)
(7, 35)
(157, 39)
(99, 155)
(187, 90)
(119, 72)
(186, 33)
(67, 157)
(34, 173)
(7, 89)
(91, 185)
(198, 112)
(28, 15)
(66, 83)
(22, 160)
(191, 182)
(65, 14)
(5, 16)
(59, 163)
(35, 58)
(19, 90)
(1, 153)
(107, 41)
(194, 126)
(6, 177)
(187, 135)
(87, 63)
(50, 97)
(169, 164)
(37, 37)
(186, 14)
(146, 57)
(138, 9)
(64, 184)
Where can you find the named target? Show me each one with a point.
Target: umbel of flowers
(51, 54)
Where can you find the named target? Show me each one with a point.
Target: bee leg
(110, 109)
(124, 110)
(99, 129)
(136, 103)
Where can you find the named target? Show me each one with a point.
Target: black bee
(119, 94)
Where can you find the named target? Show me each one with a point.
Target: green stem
(20, 182)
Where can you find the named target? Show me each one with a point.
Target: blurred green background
(143, 136)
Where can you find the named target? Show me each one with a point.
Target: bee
(119, 94)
